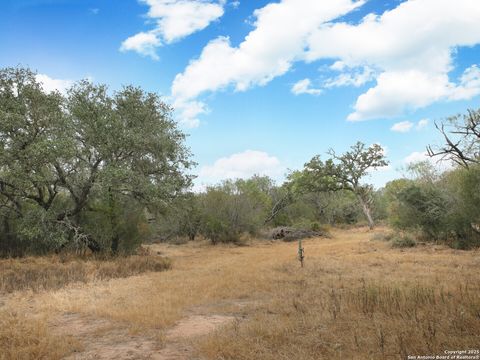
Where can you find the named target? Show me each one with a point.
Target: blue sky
(262, 86)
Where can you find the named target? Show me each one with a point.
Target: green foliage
(403, 241)
(463, 187)
(180, 222)
(443, 207)
(342, 172)
(393, 206)
(383, 236)
(64, 159)
(379, 205)
(424, 206)
(234, 207)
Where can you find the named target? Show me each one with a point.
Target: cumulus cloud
(399, 91)
(187, 112)
(417, 156)
(422, 156)
(411, 47)
(469, 84)
(267, 51)
(356, 77)
(49, 84)
(305, 87)
(422, 124)
(406, 126)
(407, 51)
(174, 19)
(242, 165)
(403, 126)
(143, 43)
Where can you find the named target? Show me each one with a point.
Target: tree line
(107, 170)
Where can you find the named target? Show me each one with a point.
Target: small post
(301, 252)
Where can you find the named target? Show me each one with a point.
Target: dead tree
(462, 142)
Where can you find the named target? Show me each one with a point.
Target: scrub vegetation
(106, 252)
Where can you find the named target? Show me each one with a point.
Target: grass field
(356, 298)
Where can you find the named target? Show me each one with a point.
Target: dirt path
(179, 337)
(105, 339)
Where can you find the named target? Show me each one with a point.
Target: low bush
(291, 233)
(403, 241)
(383, 236)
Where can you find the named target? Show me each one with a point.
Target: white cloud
(242, 165)
(49, 84)
(422, 124)
(235, 4)
(143, 43)
(187, 112)
(417, 156)
(338, 65)
(305, 87)
(355, 78)
(411, 46)
(406, 126)
(437, 162)
(408, 51)
(403, 126)
(266, 52)
(469, 84)
(175, 19)
(397, 92)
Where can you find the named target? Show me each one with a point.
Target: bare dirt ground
(100, 338)
(103, 339)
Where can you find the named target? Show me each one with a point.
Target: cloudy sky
(262, 86)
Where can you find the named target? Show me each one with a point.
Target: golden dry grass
(355, 299)
(362, 301)
(55, 272)
(23, 337)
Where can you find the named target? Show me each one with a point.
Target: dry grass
(355, 299)
(26, 338)
(362, 300)
(55, 272)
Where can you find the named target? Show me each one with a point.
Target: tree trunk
(113, 222)
(93, 245)
(115, 241)
(367, 212)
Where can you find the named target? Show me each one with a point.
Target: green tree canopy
(63, 155)
(343, 172)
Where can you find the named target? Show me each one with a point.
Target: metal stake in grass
(301, 252)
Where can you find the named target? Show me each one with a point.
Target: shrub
(229, 210)
(441, 208)
(383, 236)
(403, 241)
